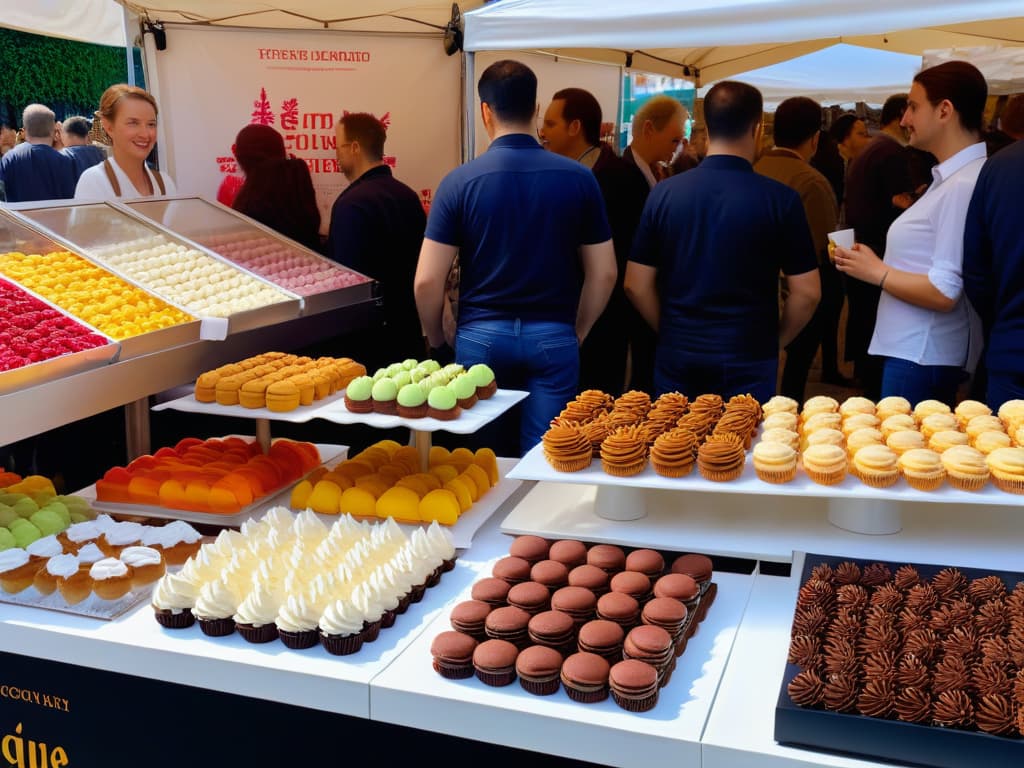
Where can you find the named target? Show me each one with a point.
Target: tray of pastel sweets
(323, 284)
(909, 662)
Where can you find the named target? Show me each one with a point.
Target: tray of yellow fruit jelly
(461, 489)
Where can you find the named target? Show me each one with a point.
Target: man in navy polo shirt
(994, 270)
(35, 170)
(707, 256)
(536, 259)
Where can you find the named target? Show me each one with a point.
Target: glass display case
(139, 321)
(227, 298)
(323, 284)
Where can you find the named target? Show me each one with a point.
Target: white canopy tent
(94, 21)
(715, 39)
(839, 74)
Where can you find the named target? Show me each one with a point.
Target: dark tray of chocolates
(918, 663)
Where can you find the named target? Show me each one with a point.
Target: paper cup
(842, 238)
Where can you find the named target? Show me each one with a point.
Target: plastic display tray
(890, 739)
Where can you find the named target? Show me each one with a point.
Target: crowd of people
(658, 269)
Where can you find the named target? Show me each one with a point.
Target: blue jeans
(541, 357)
(902, 378)
(1003, 386)
(693, 375)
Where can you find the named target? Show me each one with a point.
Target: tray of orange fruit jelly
(218, 480)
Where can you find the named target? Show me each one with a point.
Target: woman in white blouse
(925, 330)
(128, 115)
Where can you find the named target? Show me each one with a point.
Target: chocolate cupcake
(646, 561)
(530, 597)
(607, 557)
(494, 662)
(619, 607)
(492, 591)
(551, 573)
(589, 577)
(539, 668)
(469, 616)
(453, 655)
(577, 602)
(512, 570)
(569, 552)
(634, 685)
(632, 583)
(532, 549)
(508, 623)
(553, 629)
(603, 638)
(585, 678)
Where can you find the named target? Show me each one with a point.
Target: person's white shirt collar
(951, 165)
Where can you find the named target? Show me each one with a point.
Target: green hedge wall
(67, 76)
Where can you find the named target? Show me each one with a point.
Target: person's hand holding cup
(843, 238)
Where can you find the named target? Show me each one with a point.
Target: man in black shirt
(377, 226)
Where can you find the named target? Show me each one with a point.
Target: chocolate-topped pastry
(875, 575)
(806, 689)
(551, 573)
(634, 685)
(632, 583)
(991, 618)
(840, 694)
(845, 627)
(578, 602)
(469, 617)
(697, 567)
(495, 662)
(603, 638)
(653, 645)
(995, 713)
(909, 620)
(950, 675)
(877, 699)
(809, 621)
(508, 623)
(607, 557)
(569, 552)
(803, 651)
(664, 612)
(880, 666)
(823, 572)
(922, 643)
(948, 616)
(841, 658)
(991, 679)
(985, 589)
(533, 549)
(996, 650)
(912, 673)
(953, 709)
(491, 591)
(914, 705)
(819, 593)
(921, 599)
(646, 561)
(589, 577)
(847, 572)
(852, 597)
(949, 583)
(678, 586)
(888, 598)
(906, 577)
(511, 569)
(538, 668)
(878, 637)
(962, 642)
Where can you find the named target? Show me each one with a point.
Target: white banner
(214, 81)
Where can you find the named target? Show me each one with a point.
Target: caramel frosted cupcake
(624, 453)
(781, 420)
(947, 438)
(721, 458)
(855, 405)
(896, 423)
(780, 435)
(965, 467)
(743, 424)
(819, 404)
(938, 422)
(707, 405)
(674, 452)
(780, 404)
(877, 466)
(567, 448)
(859, 421)
(861, 437)
(987, 442)
(968, 409)
(825, 464)
(774, 462)
(905, 440)
(823, 420)
(1007, 467)
(596, 431)
(922, 468)
(926, 408)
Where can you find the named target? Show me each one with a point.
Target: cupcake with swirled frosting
(567, 448)
(721, 458)
(623, 453)
(674, 453)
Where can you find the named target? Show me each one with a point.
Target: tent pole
(469, 102)
(128, 46)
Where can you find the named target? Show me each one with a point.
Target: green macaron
(360, 388)
(385, 390)
(441, 399)
(411, 396)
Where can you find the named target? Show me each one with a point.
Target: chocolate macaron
(575, 601)
(495, 662)
(512, 570)
(539, 669)
(607, 557)
(678, 586)
(508, 623)
(585, 677)
(697, 567)
(652, 645)
(619, 607)
(492, 591)
(634, 685)
(603, 638)
(530, 596)
(453, 655)
(532, 549)
(554, 629)
(589, 577)
(569, 552)
(646, 561)
(632, 583)
(669, 614)
(468, 617)
(551, 573)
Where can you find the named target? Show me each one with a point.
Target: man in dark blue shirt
(707, 256)
(530, 229)
(377, 227)
(34, 170)
(77, 146)
(994, 270)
